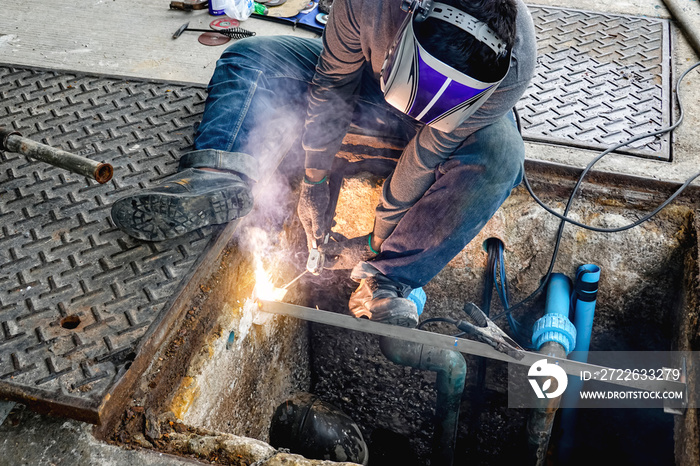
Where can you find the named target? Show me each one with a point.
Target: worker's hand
(313, 211)
(343, 253)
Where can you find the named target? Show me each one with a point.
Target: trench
(243, 366)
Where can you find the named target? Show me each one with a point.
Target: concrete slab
(119, 37)
(27, 438)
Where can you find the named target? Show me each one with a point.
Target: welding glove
(344, 253)
(312, 209)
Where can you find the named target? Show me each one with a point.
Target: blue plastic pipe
(586, 291)
(553, 335)
(558, 295)
(585, 297)
(555, 326)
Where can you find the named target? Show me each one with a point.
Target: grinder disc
(224, 23)
(213, 38)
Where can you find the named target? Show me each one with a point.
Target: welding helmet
(427, 89)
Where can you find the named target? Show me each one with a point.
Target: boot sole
(402, 313)
(161, 216)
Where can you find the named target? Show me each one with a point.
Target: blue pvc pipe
(558, 295)
(586, 288)
(553, 335)
(419, 297)
(555, 325)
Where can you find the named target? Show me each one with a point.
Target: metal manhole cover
(600, 79)
(76, 294)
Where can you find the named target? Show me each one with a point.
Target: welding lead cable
(659, 132)
(564, 218)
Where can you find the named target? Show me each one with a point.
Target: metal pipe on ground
(13, 141)
(689, 27)
(451, 369)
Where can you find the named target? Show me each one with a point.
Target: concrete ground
(134, 39)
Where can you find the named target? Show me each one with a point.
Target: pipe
(541, 419)
(451, 371)
(553, 335)
(585, 291)
(555, 325)
(676, 8)
(13, 141)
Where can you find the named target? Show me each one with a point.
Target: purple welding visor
(427, 89)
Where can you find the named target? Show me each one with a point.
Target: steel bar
(462, 345)
(12, 141)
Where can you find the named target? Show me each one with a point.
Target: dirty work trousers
(255, 111)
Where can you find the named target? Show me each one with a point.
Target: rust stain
(187, 393)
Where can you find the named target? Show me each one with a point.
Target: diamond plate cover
(600, 79)
(76, 294)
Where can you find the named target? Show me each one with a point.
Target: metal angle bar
(453, 343)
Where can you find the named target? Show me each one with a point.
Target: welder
(443, 76)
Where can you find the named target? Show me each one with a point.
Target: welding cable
(520, 334)
(447, 320)
(489, 276)
(496, 277)
(491, 247)
(564, 218)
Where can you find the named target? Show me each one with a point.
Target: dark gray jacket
(358, 34)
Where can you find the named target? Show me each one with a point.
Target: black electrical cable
(436, 319)
(681, 116)
(564, 218)
(489, 275)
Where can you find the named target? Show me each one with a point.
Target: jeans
(255, 112)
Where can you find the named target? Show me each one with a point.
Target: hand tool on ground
(316, 258)
(189, 5)
(12, 141)
(233, 33)
(463, 345)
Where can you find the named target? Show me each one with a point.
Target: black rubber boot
(184, 202)
(381, 299)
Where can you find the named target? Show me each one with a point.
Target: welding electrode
(297, 278)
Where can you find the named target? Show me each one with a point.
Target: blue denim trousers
(255, 111)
